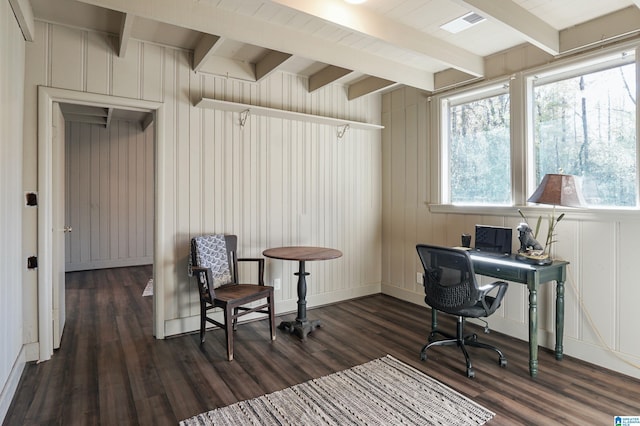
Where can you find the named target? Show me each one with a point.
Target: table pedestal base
(300, 328)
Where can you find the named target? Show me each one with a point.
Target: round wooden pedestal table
(301, 325)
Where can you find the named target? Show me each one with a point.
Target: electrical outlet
(419, 277)
(276, 284)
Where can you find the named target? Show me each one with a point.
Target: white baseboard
(283, 307)
(585, 351)
(10, 387)
(105, 264)
(31, 351)
(403, 294)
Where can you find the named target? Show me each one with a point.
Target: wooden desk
(510, 269)
(301, 326)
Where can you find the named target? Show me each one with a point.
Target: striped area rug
(384, 391)
(148, 290)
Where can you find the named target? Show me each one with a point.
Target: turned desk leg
(559, 319)
(533, 332)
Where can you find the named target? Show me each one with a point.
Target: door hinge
(32, 262)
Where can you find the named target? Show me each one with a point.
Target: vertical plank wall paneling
(12, 253)
(601, 287)
(273, 181)
(109, 201)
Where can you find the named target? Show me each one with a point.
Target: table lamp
(556, 190)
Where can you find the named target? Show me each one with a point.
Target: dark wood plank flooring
(110, 370)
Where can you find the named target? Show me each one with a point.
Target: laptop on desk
(492, 241)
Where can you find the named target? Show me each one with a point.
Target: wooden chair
(214, 263)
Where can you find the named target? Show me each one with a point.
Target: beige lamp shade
(558, 190)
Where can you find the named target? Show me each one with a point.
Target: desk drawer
(502, 272)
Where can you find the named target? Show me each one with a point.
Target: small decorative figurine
(528, 244)
(531, 250)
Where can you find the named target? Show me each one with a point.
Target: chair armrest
(204, 287)
(486, 289)
(260, 261)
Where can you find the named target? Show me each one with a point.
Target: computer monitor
(493, 239)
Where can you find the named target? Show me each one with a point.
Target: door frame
(46, 98)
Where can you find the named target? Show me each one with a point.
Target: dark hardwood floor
(111, 371)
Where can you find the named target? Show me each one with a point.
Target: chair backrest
(218, 253)
(449, 280)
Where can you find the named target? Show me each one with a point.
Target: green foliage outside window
(479, 151)
(586, 126)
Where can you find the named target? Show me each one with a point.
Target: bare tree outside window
(479, 151)
(586, 126)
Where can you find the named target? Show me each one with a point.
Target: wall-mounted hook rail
(243, 117)
(246, 109)
(342, 130)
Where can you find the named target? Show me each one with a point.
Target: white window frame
(522, 171)
(460, 97)
(600, 61)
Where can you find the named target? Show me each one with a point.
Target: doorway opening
(51, 198)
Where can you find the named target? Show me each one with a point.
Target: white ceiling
(373, 46)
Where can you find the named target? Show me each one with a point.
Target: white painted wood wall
(13, 263)
(602, 249)
(109, 195)
(273, 182)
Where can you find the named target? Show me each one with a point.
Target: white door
(59, 228)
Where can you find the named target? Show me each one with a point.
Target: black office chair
(214, 263)
(450, 286)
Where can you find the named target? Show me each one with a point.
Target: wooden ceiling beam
(382, 28)
(367, 86)
(207, 18)
(325, 76)
(270, 63)
(109, 117)
(533, 29)
(206, 46)
(125, 33)
(602, 29)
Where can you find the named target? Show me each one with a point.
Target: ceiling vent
(463, 22)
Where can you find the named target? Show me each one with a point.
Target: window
(576, 116)
(584, 124)
(477, 150)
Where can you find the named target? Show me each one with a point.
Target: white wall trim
(105, 264)
(282, 308)
(583, 350)
(46, 97)
(11, 386)
(24, 16)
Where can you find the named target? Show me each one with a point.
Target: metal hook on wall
(243, 117)
(342, 130)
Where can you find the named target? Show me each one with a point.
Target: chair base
(462, 342)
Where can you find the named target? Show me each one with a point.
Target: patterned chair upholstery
(214, 264)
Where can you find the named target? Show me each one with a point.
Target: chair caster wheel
(502, 362)
(470, 373)
(423, 356)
